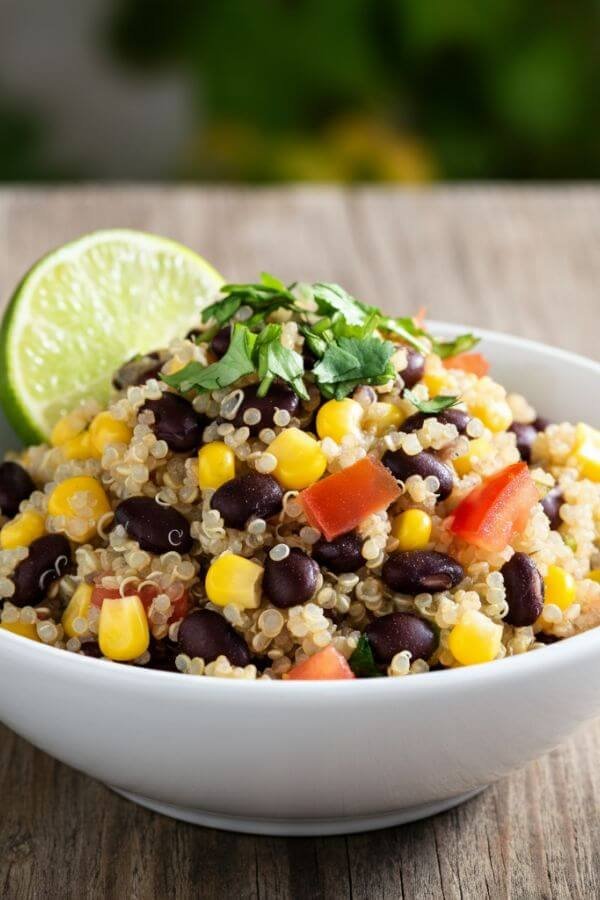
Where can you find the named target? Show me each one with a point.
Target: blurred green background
(321, 90)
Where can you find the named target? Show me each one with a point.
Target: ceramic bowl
(322, 757)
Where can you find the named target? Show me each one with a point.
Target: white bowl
(320, 757)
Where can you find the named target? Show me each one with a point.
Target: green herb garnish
(461, 344)
(276, 361)
(263, 298)
(350, 362)
(362, 661)
(435, 405)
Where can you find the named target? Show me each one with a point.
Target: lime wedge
(83, 310)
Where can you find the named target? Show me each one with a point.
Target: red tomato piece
(495, 511)
(326, 665)
(475, 363)
(338, 503)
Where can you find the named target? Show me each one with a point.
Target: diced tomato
(338, 503)
(475, 363)
(179, 598)
(495, 511)
(326, 665)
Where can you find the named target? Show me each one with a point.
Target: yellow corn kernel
(65, 429)
(216, 465)
(78, 608)
(594, 575)
(23, 530)
(64, 501)
(560, 587)
(236, 580)
(475, 639)
(105, 430)
(479, 448)
(337, 418)
(300, 460)
(384, 416)
(495, 415)
(25, 629)
(79, 447)
(435, 382)
(123, 632)
(412, 528)
(587, 451)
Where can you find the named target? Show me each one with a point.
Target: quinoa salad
(303, 488)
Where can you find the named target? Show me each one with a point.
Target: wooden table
(525, 261)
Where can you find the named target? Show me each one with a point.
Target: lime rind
(85, 308)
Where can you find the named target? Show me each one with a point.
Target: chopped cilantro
(433, 406)
(461, 344)
(350, 362)
(362, 661)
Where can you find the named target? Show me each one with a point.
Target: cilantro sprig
(435, 405)
(460, 344)
(362, 662)
(350, 362)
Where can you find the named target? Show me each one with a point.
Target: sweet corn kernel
(236, 580)
(337, 418)
(479, 448)
(123, 632)
(435, 382)
(496, 415)
(79, 447)
(216, 465)
(412, 528)
(300, 460)
(105, 430)
(23, 530)
(25, 629)
(560, 587)
(384, 416)
(65, 429)
(594, 575)
(78, 608)
(587, 451)
(60, 503)
(475, 639)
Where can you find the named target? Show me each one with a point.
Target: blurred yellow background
(286, 90)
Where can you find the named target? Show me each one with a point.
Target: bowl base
(299, 827)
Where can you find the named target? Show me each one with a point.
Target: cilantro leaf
(406, 330)
(277, 361)
(223, 310)
(461, 344)
(236, 363)
(331, 298)
(362, 661)
(349, 362)
(435, 405)
(263, 298)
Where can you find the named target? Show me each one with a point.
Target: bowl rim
(462, 676)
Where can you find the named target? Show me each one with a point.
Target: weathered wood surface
(524, 261)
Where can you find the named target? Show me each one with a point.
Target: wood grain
(524, 261)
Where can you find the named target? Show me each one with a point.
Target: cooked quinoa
(302, 475)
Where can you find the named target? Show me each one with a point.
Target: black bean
(421, 571)
(402, 466)
(524, 590)
(540, 424)
(401, 631)
(542, 638)
(280, 396)
(290, 581)
(15, 486)
(162, 655)
(146, 374)
(457, 417)
(342, 554)
(91, 648)
(220, 343)
(248, 496)
(176, 422)
(155, 527)
(138, 370)
(49, 558)
(415, 367)
(525, 435)
(551, 505)
(207, 635)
